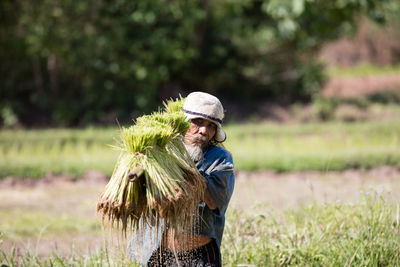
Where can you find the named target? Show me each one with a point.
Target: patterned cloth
(204, 256)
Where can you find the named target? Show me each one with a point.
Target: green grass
(33, 153)
(17, 223)
(76, 258)
(321, 147)
(363, 70)
(365, 233)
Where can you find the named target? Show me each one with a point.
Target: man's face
(200, 132)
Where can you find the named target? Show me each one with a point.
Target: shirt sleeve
(221, 179)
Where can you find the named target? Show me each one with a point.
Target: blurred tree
(71, 63)
(273, 43)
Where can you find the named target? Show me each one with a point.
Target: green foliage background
(73, 63)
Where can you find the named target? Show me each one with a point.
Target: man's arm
(220, 181)
(208, 199)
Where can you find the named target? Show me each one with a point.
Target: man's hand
(134, 174)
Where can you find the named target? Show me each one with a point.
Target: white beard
(195, 152)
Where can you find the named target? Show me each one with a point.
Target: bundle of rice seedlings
(166, 183)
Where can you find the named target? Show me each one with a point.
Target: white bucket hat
(205, 106)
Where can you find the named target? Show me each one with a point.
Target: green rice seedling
(166, 183)
(174, 106)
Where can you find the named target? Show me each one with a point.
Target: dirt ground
(291, 190)
(62, 196)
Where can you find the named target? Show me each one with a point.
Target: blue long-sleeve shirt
(217, 168)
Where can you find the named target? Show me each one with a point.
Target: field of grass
(363, 70)
(361, 233)
(277, 220)
(60, 151)
(322, 147)
(101, 258)
(365, 233)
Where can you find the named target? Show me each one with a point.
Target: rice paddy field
(305, 195)
(297, 147)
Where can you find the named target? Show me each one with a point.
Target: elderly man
(201, 140)
(205, 113)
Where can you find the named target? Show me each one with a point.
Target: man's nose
(202, 130)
